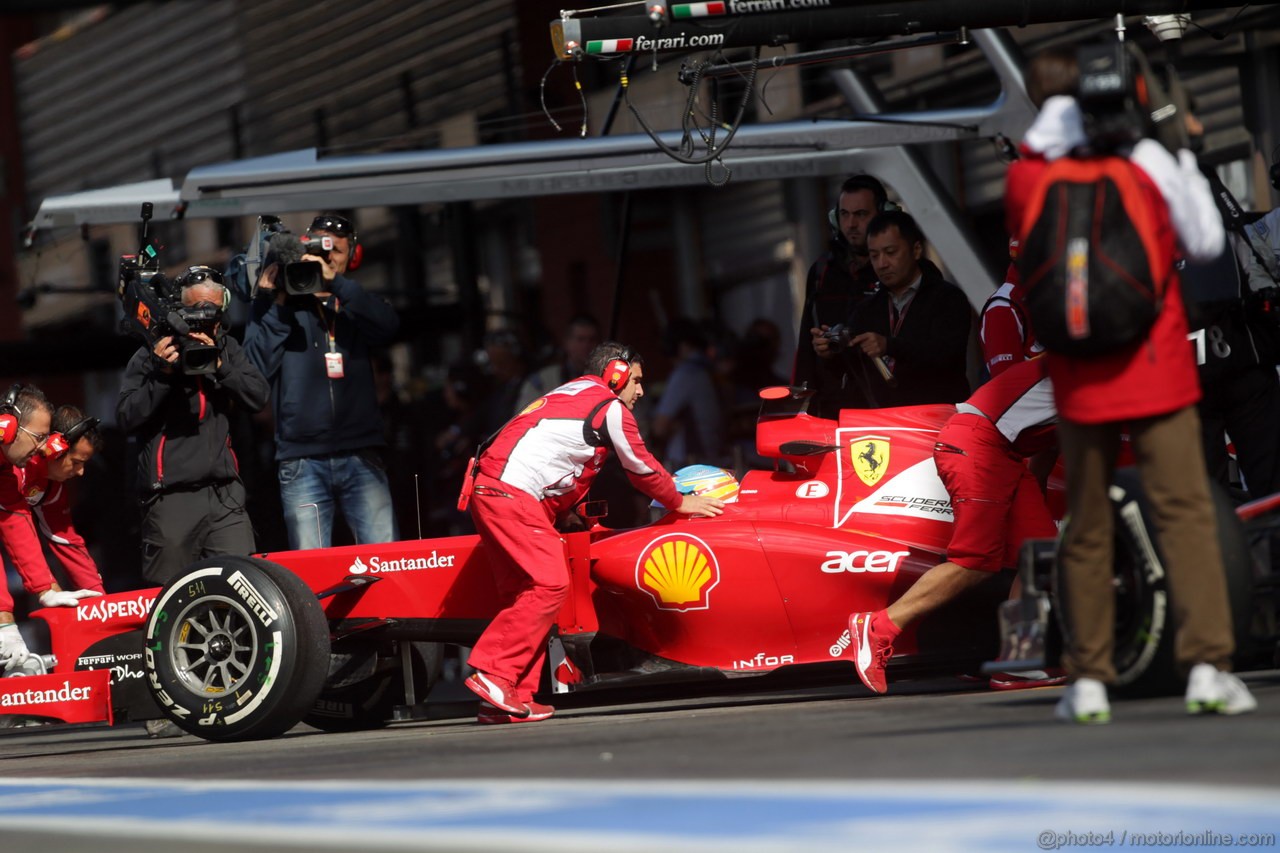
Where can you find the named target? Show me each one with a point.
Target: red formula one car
(347, 638)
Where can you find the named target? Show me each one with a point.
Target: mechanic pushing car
(533, 470)
(981, 456)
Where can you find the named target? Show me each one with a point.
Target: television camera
(153, 306)
(276, 244)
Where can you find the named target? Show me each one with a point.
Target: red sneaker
(1028, 678)
(870, 651)
(497, 692)
(492, 716)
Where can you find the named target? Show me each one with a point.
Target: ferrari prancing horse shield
(870, 456)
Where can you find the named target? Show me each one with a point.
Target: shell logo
(534, 406)
(678, 571)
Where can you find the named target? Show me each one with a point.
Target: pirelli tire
(1145, 627)
(236, 648)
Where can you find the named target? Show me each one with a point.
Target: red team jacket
(552, 452)
(1158, 375)
(28, 500)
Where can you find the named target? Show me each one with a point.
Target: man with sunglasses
(315, 351)
(193, 500)
(25, 422)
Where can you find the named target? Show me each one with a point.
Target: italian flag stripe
(609, 46)
(697, 10)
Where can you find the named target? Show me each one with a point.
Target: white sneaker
(1085, 701)
(1210, 691)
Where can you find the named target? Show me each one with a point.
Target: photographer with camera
(176, 398)
(907, 345)
(312, 340)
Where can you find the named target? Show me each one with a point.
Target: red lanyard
(895, 325)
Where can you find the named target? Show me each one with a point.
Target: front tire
(236, 648)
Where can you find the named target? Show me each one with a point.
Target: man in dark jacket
(315, 352)
(908, 344)
(838, 281)
(193, 500)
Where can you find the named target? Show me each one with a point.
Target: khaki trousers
(1170, 463)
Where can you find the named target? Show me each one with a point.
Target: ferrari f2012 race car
(349, 638)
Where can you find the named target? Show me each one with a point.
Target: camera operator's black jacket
(930, 350)
(181, 422)
(316, 415)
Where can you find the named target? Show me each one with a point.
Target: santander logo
(377, 565)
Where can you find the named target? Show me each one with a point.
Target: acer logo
(863, 561)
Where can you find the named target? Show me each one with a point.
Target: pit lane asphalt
(925, 731)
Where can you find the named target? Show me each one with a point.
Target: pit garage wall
(144, 93)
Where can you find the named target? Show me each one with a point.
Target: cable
(577, 84)
(685, 152)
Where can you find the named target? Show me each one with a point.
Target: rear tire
(1145, 629)
(236, 648)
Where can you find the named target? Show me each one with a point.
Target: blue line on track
(666, 815)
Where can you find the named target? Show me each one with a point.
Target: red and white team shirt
(1020, 404)
(1006, 335)
(549, 450)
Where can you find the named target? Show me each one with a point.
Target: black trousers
(181, 527)
(1246, 406)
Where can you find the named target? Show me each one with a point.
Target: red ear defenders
(10, 414)
(60, 443)
(618, 372)
(341, 226)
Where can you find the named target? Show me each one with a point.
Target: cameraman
(193, 500)
(1233, 328)
(315, 349)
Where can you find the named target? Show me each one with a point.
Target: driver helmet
(706, 480)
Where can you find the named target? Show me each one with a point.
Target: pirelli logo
(252, 597)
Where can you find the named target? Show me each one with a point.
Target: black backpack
(1094, 276)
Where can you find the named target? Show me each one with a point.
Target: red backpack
(1090, 261)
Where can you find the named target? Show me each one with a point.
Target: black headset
(852, 185)
(1275, 169)
(79, 430)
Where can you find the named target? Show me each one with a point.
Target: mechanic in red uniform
(533, 470)
(1149, 390)
(25, 422)
(1007, 337)
(1005, 331)
(981, 456)
(44, 484)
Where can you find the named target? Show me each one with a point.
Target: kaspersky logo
(678, 571)
(870, 457)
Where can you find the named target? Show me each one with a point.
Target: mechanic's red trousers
(531, 572)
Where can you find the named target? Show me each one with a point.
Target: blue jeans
(312, 488)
